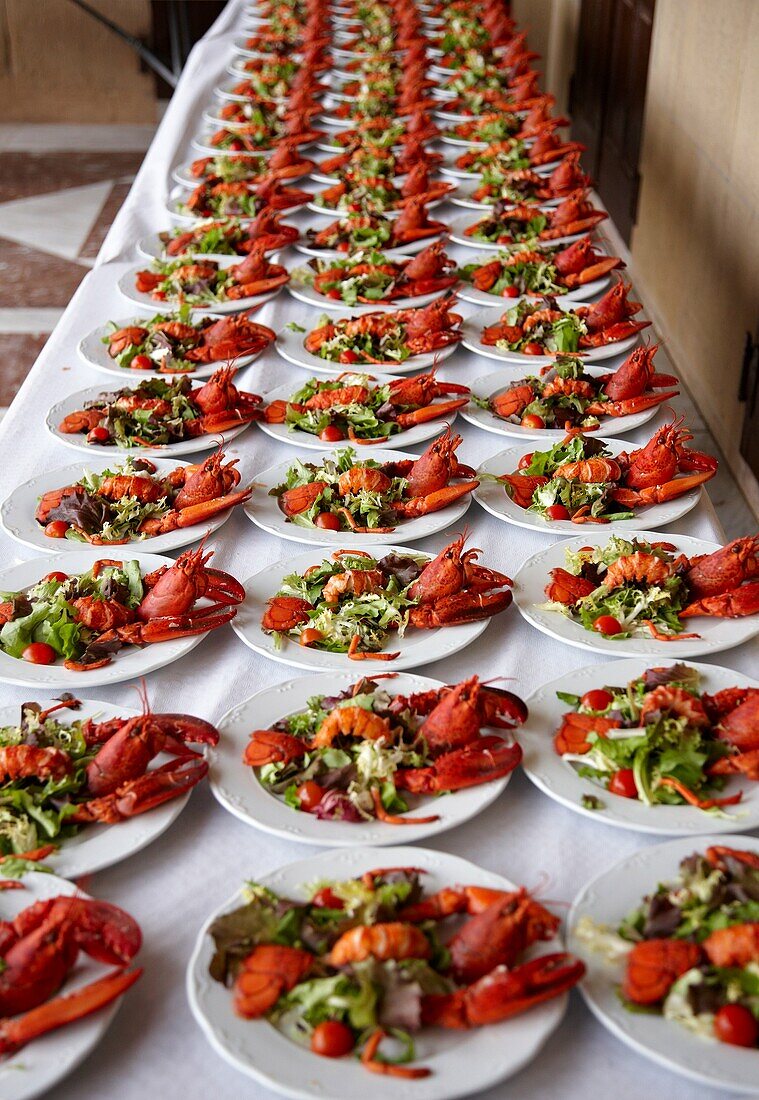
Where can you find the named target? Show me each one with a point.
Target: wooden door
(607, 98)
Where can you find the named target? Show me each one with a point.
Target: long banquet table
(154, 1047)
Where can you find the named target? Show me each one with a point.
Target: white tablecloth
(154, 1047)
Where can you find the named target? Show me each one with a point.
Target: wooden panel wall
(57, 64)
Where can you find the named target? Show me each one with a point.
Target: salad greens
(167, 352)
(130, 424)
(353, 233)
(535, 273)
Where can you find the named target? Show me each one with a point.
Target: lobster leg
(430, 412)
(479, 762)
(730, 605)
(630, 405)
(433, 502)
(148, 791)
(170, 627)
(463, 607)
(656, 494)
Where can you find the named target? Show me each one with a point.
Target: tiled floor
(60, 188)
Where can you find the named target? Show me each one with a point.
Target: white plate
(494, 498)
(126, 285)
(469, 293)
(238, 789)
(265, 512)
(153, 248)
(476, 322)
(17, 515)
(180, 196)
(468, 174)
(166, 450)
(126, 665)
(308, 295)
(409, 437)
(202, 142)
(417, 647)
(607, 899)
(457, 226)
(290, 346)
(47, 1060)
(95, 353)
(559, 780)
(716, 634)
(408, 249)
(229, 96)
(462, 1062)
(184, 177)
(491, 384)
(98, 846)
(462, 196)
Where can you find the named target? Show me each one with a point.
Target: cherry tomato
(343, 247)
(39, 653)
(348, 357)
(736, 1024)
(557, 511)
(623, 783)
(100, 435)
(309, 636)
(142, 362)
(532, 349)
(235, 145)
(332, 1039)
(309, 795)
(328, 521)
(533, 421)
(57, 529)
(597, 699)
(331, 434)
(511, 292)
(525, 461)
(57, 576)
(607, 624)
(325, 899)
(334, 293)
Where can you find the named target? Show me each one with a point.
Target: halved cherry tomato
(532, 349)
(525, 461)
(328, 521)
(598, 699)
(557, 511)
(309, 795)
(57, 576)
(235, 145)
(348, 356)
(332, 1039)
(511, 292)
(737, 1025)
(623, 783)
(331, 434)
(56, 529)
(309, 636)
(100, 435)
(325, 899)
(533, 421)
(343, 247)
(142, 362)
(607, 624)
(334, 293)
(39, 653)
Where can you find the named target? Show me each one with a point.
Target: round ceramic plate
(182, 174)
(491, 384)
(607, 899)
(469, 293)
(391, 214)
(168, 450)
(95, 353)
(467, 174)
(265, 512)
(126, 285)
(239, 790)
(476, 322)
(308, 295)
(462, 1062)
(715, 634)
(290, 346)
(494, 498)
(462, 196)
(202, 142)
(408, 249)
(229, 96)
(153, 248)
(457, 226)
(559, 779)
(126, 664)
(409, 437)
(36, 1068)
(417, 647)
(98, 846)
(180, 195)
(17, 514)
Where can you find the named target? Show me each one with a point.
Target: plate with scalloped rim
(407, 249)
(456, 227)
(462, 1062)
(308, 295)
(202, 142)
(494, 499)
(127, 664)
(37, 1067)
(96, 847)
(715, 635)
(290, 345)
(145, 300)
(179, 196)
(492, 384)
(240, 791)
(78, 441)
(408, 437)
(462, 196)
(333, 212)
(466, 174)
(95, 353)
(265, 512)
(469, 293)
(417, 647)
(560, 781)
(607, 899)
(18, 508)
(182, 174)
